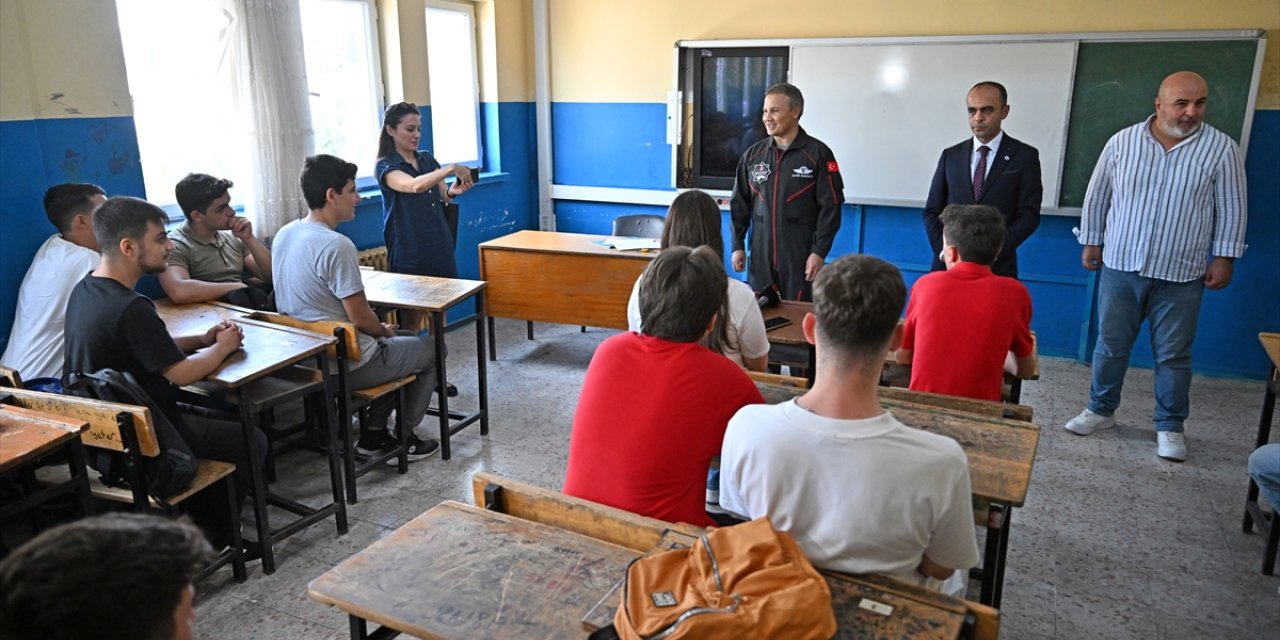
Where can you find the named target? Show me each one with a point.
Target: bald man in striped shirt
(1164, 219)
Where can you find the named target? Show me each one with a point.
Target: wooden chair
(128, 429)
(643, 534)
(354, 401)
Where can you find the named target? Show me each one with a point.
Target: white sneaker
(1171, 445)
(1088, 422)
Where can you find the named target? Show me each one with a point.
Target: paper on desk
(622, 243)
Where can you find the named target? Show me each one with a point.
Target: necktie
(980, 173)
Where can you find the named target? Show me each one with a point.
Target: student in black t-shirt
(109, 325)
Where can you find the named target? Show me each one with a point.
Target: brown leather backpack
(744, 581)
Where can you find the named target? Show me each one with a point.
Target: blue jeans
(1264, 466)
(1171, 310)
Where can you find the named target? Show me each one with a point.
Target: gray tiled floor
(1113, 542)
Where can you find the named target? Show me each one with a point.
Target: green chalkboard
(1116, 83)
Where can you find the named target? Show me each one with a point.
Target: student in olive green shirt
(214, 248)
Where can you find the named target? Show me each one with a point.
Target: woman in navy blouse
(413, 196)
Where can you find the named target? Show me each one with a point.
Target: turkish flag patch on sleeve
(832, 167)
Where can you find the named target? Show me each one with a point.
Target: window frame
(377, 85)
(469, 9)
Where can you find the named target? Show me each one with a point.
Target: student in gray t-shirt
(318, 278)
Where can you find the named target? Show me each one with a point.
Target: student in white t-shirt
(35, 347)
(692, 221)
(860, 491)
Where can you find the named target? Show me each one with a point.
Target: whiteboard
(888, 111)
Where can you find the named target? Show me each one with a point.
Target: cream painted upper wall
(62, 59)
(621, 50)
(514, 29)
(15, 73)
(505, 33)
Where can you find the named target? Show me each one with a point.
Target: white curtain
(272, 97)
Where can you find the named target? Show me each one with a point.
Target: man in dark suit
(1009, 179)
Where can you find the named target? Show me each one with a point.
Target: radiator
(375, 257)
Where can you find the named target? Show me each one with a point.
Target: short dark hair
(198, 190)
(323, 172)
(113, 576)
(63, 202)
(858, 300)
(790, 91)
(1004, 95)
(679, 293)
(391, 118)
(124, 217)
(975, 230)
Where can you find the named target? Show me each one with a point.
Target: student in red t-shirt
(966, 326)
(655, 404)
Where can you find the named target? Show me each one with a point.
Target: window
(455, 92)
(340, 47)
(179, 61)
(182, 59)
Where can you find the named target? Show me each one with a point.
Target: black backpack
(167, 474)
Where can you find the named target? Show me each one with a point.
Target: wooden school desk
(1252, 511)
(435, 296)
(1001, 453)
(266, 349)
(26, 436)
(793, 335)
(562, 278)
(915, 612)
(509, 577)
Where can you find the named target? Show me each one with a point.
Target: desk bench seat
(208, 472)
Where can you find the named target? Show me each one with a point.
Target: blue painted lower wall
(37, 154)
(592, 148)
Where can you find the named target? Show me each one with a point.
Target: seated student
(35, 342)
(692, 221)
(110, 326)
(654, 404)
(214, 248)
(860, 491)
(119, 576)
(318, 278)
(966, 326)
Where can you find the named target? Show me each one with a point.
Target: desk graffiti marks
(459, 571)
(27, 435)
(425, 293)
(192, 319)
(914, 613)
(102, 438)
